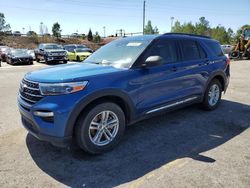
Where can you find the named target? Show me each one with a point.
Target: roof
(141, 37)
(49, 43)
(187, 35)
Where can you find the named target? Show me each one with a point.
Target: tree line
(202, 27)
(56, 31)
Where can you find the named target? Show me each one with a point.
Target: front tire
(212, 95)
(37, 59)
(101, 128)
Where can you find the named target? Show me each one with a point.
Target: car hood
(69, 73)
(21, 56)
(54, 50)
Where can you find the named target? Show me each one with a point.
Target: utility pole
(104, 31)
(172, 21)
(144, 4)
(41, 29)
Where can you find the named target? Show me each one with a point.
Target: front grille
(57, 53)
(23, 59)
(30, 92)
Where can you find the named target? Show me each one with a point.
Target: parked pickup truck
(50, 52)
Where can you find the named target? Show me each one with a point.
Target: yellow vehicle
(242, 48)
(78, 54)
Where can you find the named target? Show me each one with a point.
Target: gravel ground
(185, 148)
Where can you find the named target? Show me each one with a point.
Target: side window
(165, 49)
(66, 48)
(203, 54)
(40, 46)
(190, 50)
(216, 48)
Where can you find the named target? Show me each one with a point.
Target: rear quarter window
(215, 47)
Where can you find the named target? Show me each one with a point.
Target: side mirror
(153, 61)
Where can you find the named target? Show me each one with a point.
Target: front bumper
(56, 58)
(53, 131)
(82, 58)
(21, 61)
(56, 141)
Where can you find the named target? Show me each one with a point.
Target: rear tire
(100, 128)
(212, 95)
(78, 59)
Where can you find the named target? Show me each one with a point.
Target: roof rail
(194, 35)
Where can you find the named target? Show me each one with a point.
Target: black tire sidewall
(77, 58)
(82, 128)
(206, 104)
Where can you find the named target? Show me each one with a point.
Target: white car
(32, 53)
(227, 48)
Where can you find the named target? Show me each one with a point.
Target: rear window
(215, 48)
(190, 50)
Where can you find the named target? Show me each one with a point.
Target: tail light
(228, 61)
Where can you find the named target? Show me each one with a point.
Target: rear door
(194, 66)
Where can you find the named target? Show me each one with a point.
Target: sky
(81, 15)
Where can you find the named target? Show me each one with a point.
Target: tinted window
(165, 49)
(190, 50)
(215, 48)
(202, 52)
(40, 46)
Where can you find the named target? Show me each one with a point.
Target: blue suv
(125, 81)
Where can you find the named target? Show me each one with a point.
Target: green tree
(90, 35)
(202, 27)
(149, 29)
(97, 38)
(231, 35)
(56, 30)
(156, 30)
(3, 26)
(185, 28)
(220, 33)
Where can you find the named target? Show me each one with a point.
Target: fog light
(44, 114)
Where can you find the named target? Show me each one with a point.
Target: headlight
(61, 88)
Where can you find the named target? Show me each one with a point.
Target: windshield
(81, 50)
(247, 33)
(19, 52)
(81, 46)
(119, 53)
(52, 46)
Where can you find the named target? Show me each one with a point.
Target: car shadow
(145, 147)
